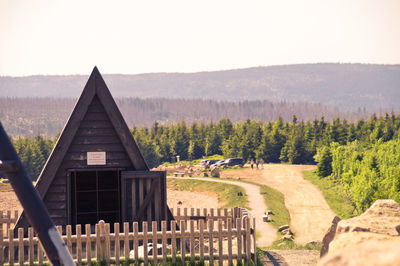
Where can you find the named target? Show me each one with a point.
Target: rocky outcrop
(371, 253)
(330, 234)
(383, 217)
(373, 238)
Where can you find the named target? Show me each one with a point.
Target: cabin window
(95, 196)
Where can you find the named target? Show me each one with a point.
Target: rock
(283, 227)
(149, 251)
(352, 238)
(330, 234)
(373, 252)
(372, 238)
(287, 237)
(215, 172)
(383, 217)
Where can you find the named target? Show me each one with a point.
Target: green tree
(324, 165)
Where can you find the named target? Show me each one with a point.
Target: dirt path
(310, 215)
(257, 205)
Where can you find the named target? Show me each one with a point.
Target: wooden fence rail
(220, 240)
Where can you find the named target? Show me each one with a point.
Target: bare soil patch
(187, 199)
(9, 201)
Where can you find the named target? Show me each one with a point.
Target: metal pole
(33, 205)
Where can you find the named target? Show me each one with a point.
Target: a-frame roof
(94, 87)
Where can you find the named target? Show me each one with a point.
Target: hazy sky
(70, 37)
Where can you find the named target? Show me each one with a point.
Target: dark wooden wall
(95, 133)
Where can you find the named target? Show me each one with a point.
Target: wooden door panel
(143, 195)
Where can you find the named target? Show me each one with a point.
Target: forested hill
(347, 86)
(29, 116)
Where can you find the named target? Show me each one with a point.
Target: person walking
(257, 162)
(262, 163)
(252, 164)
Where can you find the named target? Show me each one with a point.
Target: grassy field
(335, 194)
(226, 193)
(276, 203)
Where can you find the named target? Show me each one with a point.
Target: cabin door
(144, 196)
(95, 196)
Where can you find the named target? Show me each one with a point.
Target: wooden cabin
(96, 171)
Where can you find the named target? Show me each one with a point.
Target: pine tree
(324, 165)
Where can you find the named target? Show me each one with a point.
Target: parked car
(204, 162)
(234, 162)
(207, 162)
(211, 162)
(218, 163)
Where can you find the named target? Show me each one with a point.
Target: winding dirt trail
(310, 215)
(257, 205)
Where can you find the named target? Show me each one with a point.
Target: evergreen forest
(364, 156)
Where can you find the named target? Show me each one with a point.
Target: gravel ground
(291, 257)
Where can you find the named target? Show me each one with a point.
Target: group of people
(258, 162)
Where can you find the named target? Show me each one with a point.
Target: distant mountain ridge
(346, 86)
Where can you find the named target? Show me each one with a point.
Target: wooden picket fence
(210, 239)
(7, 221)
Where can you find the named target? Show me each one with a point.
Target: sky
(53, 37)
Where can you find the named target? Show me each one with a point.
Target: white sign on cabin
(96, 158)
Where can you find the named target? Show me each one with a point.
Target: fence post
(239, 238)
(155, 241)
(183, 241)
(192, 258)
(107, 243)
(116, 244)
(69, 241)
(185, 214)
(220, 243)
(229, 241)
(145, 242)
(11, 246)
(201, 239)
(173, 241)
(248, 242)
(97, 246)
(88, 245)
(205, 215)
(101, 237)
(210, 241)
(225, 218)
(31, 246)
(164, 242)
(136, 240)
(8, 220)
(78, 244)
(41, 253)
(21, 246)
(126, 241)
